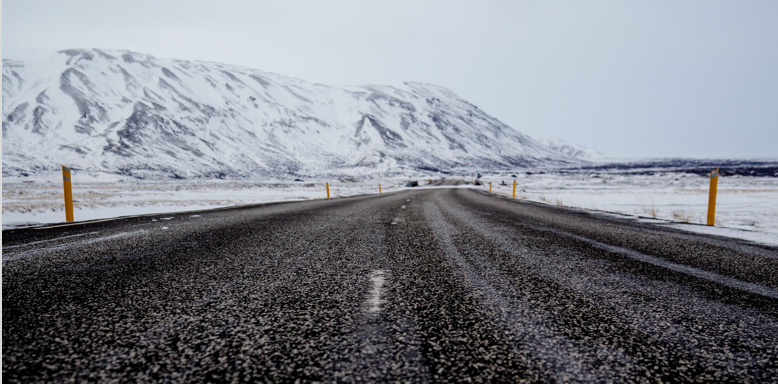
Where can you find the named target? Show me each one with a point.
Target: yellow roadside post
(514, 188)
(328, 190)
(714, 181)
(68, 194)
(379, 187)
(490, 186)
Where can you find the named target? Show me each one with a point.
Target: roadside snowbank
(747, 207)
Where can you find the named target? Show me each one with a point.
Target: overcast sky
(628, 78)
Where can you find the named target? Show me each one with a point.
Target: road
(427, 285)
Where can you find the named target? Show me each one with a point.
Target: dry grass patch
(647, 207)
(682, 215)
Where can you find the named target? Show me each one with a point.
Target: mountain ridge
(574, 150)
(133, 114)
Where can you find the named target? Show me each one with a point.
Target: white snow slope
(574, 150)
(132, 114)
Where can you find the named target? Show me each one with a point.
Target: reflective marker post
(68, 194)
(714, 181)
(514, 188)
(379, 187)
(490, 186)
(328, 190)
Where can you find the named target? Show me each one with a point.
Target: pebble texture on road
(433, 285)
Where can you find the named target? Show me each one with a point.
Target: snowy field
(744, 204)
(749, 203)
(748, 206)
(26, 202)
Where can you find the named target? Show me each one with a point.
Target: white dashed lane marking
(374, 300)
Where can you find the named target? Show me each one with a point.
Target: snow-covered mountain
(574, 150)
(134, 114)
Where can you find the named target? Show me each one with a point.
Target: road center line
(398, 220)
(374, 300)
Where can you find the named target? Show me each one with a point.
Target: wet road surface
(428, 285)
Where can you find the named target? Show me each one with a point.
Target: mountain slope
(134, 114)
(573, 150)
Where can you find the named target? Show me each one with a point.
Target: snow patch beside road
(747, 207)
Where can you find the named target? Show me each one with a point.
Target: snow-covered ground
(25, 203)
(747, 206)
(743, 203)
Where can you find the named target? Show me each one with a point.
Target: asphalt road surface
(429, 285)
